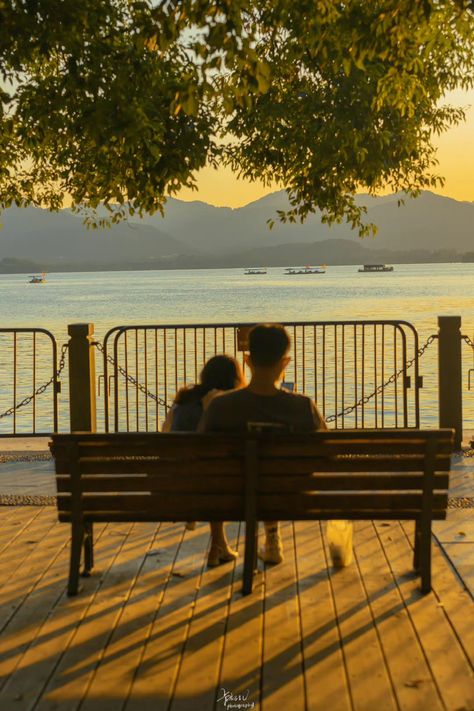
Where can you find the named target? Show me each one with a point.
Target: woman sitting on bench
(221, 373)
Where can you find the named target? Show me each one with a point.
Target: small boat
(38, 279)
(376, 268)
(255, 270)
(306, 270)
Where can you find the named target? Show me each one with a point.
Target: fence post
(82, 405)
(450, 375)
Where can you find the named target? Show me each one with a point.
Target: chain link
(42, 388)
(468, 341)
(364, 400)
(133, 381)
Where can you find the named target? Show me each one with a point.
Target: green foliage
(121, 102)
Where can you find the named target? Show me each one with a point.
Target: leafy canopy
(123, 101)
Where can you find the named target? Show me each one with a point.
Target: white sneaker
(272, 551)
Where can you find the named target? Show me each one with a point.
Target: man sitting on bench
(264, 401)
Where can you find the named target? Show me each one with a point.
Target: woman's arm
(168, 423)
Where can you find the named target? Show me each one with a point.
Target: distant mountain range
(195, 234)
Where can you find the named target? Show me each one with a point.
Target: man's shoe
(272, 551)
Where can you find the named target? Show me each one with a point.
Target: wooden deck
(155, 630)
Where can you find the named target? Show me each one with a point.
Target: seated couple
(207, 407)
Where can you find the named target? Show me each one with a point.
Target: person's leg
(220, 551)
(272, 550)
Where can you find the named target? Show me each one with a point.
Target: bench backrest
(185, 476)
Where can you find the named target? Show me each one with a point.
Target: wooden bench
(345, 474)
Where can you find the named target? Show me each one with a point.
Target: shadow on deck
(155, 629)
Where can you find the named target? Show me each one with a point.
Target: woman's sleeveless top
(186, 417)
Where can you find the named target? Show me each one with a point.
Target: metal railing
(357, 371)
(28, 368)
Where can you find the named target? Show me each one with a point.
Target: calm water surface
(416, 293)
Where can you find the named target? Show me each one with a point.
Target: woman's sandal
(220, 554)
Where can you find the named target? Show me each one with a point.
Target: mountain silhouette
(198, 234)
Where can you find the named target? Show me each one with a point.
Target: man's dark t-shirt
(233, 411)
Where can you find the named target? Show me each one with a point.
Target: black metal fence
(361, 373)
(29, 383)
(357, 371)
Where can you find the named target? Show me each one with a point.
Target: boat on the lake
(38, 278)
(376, 268)
(305, 270)
(255, 270)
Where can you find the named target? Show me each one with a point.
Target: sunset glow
(455, 154)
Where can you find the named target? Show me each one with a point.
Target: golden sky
(455, 154)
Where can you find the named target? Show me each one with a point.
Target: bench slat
(233, 466)
(326, 515)
(202, 484)
(163, 507)
(342, 446)
(298, 503)
(224, 466)
(189, 483)
(348, 482)
(287, 465)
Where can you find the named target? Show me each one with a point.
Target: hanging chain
(42, 388)
(468, 341)
(133, 381)
(364, 400)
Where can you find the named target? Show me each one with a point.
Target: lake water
(416, 293)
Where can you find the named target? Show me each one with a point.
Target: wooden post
(450, 375)
(82, 405)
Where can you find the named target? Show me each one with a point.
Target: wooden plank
(186, 485)
(13, 520)
(179, 464)
(68, 685)
(165, 638)
(283, 670)
(387, 447)
(446, 658)
(309, 515)
(243, 643)
(411, 676)
(38, 634)
(125, 438)
(202, 447)
(227, 466)
(197, 682)
(16, 591)
(461, 556)
(183, 504)
(299, 502)
(350, 482)
(452, 593)
(114, 674)
(349, 463)
(24, 552)
(325, 674)
(370, 683)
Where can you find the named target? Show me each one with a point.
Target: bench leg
(425, 559)
(250, 556)
(416, 547)
(88, 549)
(75, 560)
